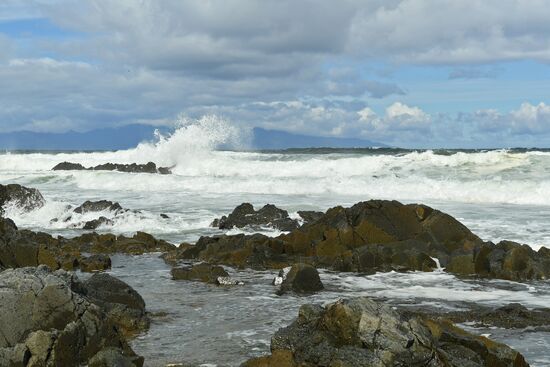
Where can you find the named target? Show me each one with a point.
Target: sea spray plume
(192, 140)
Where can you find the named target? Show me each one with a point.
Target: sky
(409, 73)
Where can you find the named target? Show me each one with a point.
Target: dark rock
(202, 272)
(178, 253)
(93, 224)
(165, 216)
(244, 215)
(98, 206)
(149, 167)
(46, 322)
(302, 278)
(310, 216)
(361, 332)
(68, 166)
(108, 243)
(97, 262)
(23, 197)
(120, 302)
(513, 315)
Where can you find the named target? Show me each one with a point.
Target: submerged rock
(301, 278)
(202, 272)
(45, 321)
(149, 167)
(362, 332)
(23, 197)
(244, 215)
(121, 303)
(511, 316)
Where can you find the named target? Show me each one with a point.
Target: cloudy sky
(412, 73)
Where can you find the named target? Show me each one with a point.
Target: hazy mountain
(131, 135)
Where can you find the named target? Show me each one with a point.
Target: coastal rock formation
(301, 278)
(92, 263)
(45, 321)
(149, 167)
(97, 206)
(120, 302)
(95, 223)
(309, 216)
(20, 248)
(378, 235)
(23, 197)
(244, 215)
(202, 272)
(362, 332)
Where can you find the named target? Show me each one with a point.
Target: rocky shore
(149, 167)
(44, 305)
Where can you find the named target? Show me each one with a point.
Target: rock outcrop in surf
(362, 332)
(149, 167)
(244, 215)
(24, 198)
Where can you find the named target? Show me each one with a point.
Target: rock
(164, 216)
(513, 315)
(20, 248)
(203, 272)
(174, 256)
(109, 357)
(302, 278)
(23, 197)
(120, 302)
(244, 215)
(101, 221)
(68, 166)
(46, 322)
(310, 216)
(149, 167)
(98, 262)
(279, 279)
(98, 206)
(362, 332)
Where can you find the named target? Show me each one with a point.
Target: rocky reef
(244, 215)
(47, 321)
(374, 236)
(149, 167)
(362, 332)
(23, 197)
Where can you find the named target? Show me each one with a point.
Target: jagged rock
(174, 256)
(98, 206)
(97, 262)
(362, 332)
(121, 302)
(310, 216)
(245, 215)
(202, 272)
(164, 216)
(149, 167)
(68, 166)
(19, 248)
(93, 224)
(45, 321)
(377, 235)
(302, 278)
(23, 197)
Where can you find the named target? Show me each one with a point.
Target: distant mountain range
(130, 136)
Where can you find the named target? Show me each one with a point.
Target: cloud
(473, 73)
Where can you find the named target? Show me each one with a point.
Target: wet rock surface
(200, 272)
(362, 332)
(98, 206)
(20, 248)
(149, 167)
(301, 279)
(23, 197)
(244, 215)
(121, 303)
(378, 235)
(93, 263)
(45, 321)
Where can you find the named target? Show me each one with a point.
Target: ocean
(498, 194)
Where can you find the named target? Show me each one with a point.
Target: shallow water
(500, 194)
